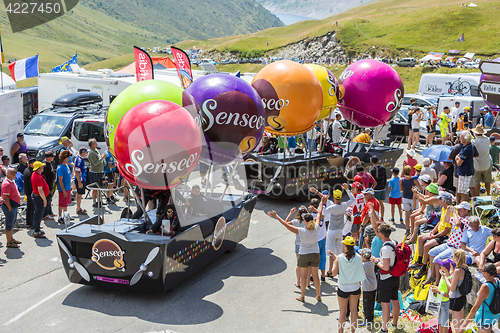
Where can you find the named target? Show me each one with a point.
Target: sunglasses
(170, 211)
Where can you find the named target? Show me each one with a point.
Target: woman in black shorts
(494, 246)
(453, 280)
(349, 267)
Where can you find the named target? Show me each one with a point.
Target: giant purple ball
(233, 117)
(370, 93)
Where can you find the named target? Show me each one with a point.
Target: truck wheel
(232, 248)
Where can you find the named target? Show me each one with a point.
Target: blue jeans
(48, 208)
(322, 254)
(443, 251)
(10, 217)
(39, 212)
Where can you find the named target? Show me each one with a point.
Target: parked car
(407, 62)
(448, 64)
(88, 127)
(43, 131)
(471, 65)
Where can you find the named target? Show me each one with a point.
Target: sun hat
(357, 185)
(411, 152)
(464, 205)
(337, 194)
(425, 178)
(83, 150)
(348, 241)
(433, 188)
(358, 179)
(445, 196)
(37, 165)
(448, 263)
(479, 129)
(467, 108)
(367, 253)
(418, 167)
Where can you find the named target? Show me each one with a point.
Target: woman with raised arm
(309, 249)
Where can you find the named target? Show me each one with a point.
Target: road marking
(19, 316)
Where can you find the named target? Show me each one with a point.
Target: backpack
(495, 302)
(401, 262)
(466, 286)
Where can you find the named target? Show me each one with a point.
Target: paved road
(249, 290)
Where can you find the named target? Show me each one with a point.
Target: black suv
(43, 131)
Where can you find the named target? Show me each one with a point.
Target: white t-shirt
(415, 120)
(454, 115)
(312, 134)
(387, 252)
(297, 223)
(428, 171)
(336, 131)
(322, 227)
(309, 240)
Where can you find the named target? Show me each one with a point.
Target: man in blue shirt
(63, 184)
(110, 170)
(80, 179)
(465, 163)
(474, 239)
(489, 119)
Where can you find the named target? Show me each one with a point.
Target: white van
(87, 128)
(457, 84)
(407, 62)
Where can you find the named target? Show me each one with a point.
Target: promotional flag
(143, 65)
(66, 67)
(238, 74)
(24, 68)
(461, 38)
(2, 59)
(183, 66)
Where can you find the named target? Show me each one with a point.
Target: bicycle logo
(458, 87)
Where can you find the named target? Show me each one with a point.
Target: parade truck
(11, 118)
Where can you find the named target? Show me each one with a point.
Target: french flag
(24, 68)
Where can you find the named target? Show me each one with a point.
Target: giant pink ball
(370, 93)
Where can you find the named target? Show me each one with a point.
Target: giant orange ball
(292, 97)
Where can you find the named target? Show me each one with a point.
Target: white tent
(472, 4)
(430, 57)
(469, 55)
(8, 83)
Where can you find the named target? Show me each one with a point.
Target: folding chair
(481, 203)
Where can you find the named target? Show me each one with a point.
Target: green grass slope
(415, 25)
(102, 30)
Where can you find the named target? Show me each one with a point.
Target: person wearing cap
(489, 119)
(96, 169)
(80, 179)
(458, 217)
(388, 287)
(336, 211)
(493, 246)
(410, 161)
(63, 184)
(11, 201)
(27, 191)
(19, 147)
(483, 316)
(370, 202)
(442, 288)
(494, 153)
(379, 173)
(467, 119)
(50, 177)
(357, 208)
(429, 212)
(453, 279)
(368, 287)
(349, 267)
(395, 195)
(446, 178)
(436, 237)
(427, 170)
(39, 195)
(363, 137)
(482, 162)
(482, 113)
(465, 167)
(309, 249)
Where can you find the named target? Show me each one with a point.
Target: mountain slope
(318, 9)
(101, 30)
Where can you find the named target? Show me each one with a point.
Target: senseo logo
(332, 91)
(273, 104)
(136, 168)
(226, 118)
(108, 255)
(396, 104)
(219, 233)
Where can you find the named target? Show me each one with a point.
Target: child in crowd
(405, 185)
(395, 194)
(369, 287)
(321, 237)
(444, 310)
